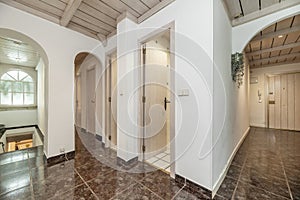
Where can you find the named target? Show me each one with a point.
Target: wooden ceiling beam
(287, 46)
(276, 64)
(263, 12)
(276, 34)
(102, 38)
(70, 10)
(274, 58)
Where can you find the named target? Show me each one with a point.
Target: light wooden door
(284, 101)
(156, 113)
(111, 87)
(91, 100)
(291, 102)
(297, 102)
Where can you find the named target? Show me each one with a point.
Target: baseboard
(224, 172)
(258, 125)
(60, 158)
(193, 187)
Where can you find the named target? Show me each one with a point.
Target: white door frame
(141, 41)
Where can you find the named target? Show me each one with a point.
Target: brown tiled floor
(267, 166)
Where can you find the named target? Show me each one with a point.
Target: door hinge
(144, 148)
(109, 99)
(109, 137)
(144, 99)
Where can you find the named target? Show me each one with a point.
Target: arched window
(17, 88)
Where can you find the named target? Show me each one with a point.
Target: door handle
(166, 101)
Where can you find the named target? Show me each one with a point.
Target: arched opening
(89, 96)
(23, 92)
(274, 60)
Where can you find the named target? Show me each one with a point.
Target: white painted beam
(288, 46)
(276, 64)
(266, 11)
(292, 55)
(70, 10)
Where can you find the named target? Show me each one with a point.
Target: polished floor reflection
(267, 166)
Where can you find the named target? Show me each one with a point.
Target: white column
(127, 105)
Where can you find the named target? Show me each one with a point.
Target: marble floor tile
(81, 192)
(14, 181)
(23, 193)
(247, 191)
(137, 191)
(295, 190)
(105, 187)
(162, 184)
(227, 187)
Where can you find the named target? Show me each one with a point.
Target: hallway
(265, 167)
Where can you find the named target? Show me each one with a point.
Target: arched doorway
(23, 91)
(89, 94)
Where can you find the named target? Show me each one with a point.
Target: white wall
(41, 100)
(258, 110)
(230, 116)
(61, 46)
(193, 71)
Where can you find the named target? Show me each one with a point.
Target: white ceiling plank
(288, 46)
(263, 12)
(99, 15)
(154, 10)
(275, 58)
(233, 7)
(94, 20)
(41, 6)
(277, 33)
(56, 3)
(102, 7)
(250, 6)
(82, 30)
(267, 3)
(120, 7)
(30, 10)
(136, 5)
(88, 25)
(70, 10)
(150, 3)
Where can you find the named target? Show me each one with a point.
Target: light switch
(184, 92)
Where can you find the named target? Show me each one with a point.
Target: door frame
(107, 123)
(171, 27)
(90, 68)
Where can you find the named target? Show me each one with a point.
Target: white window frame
(21, 106)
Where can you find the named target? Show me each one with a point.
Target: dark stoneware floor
(267, 166)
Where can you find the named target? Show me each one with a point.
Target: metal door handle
(166, 101)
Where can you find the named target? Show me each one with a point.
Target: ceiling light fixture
(280, 36)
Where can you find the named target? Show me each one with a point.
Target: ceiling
(94, 18)
(16, 52)
(277, 44)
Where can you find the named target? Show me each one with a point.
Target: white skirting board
(224, 172)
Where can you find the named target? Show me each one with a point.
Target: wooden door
(156, 83)
(90, 88)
